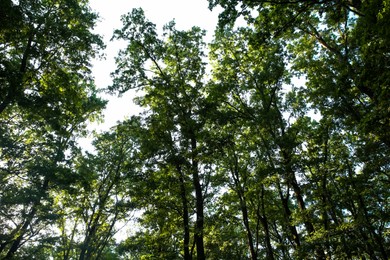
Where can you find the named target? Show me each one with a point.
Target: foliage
(47, 96)
(275, 145)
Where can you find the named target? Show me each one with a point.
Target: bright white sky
(187, 13)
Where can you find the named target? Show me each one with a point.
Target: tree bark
(15, 81)
(287, 215)
(199, 202)
(18, 240)
(290, 175)
(244, 208)
(264, 222)
(186, 225)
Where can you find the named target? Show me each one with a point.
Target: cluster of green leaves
(233, 156)
(170, 72)
(275, 181)
(47, 97)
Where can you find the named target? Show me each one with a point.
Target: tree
(173, 94)
(329, 43)
(234, 164)
(99, 202)
(250, 80)
(34, 166)
(47, 95)
(326, 42)
(40, 41)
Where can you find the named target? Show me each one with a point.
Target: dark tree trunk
(264, 222)
(17, 242)
(186, 225)
(287, 215)
(199, 202)
(320, 254)
(244, 208)
(15, 81)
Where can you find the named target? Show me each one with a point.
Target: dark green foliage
(47, 95)
(274, 146)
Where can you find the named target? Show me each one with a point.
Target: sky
(186, 13)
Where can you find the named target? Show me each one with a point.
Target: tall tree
(170, 71)
(339, 43)
(41, 40)
(251, 81)
(327, 43)
(99, 202)
(47, 95)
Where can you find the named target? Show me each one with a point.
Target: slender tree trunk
(93, 224)
(69, 248)
(15, 81)
(320, 254)
(186, 225)
(280, 239)
(104, 242)
(287, 214)
(375, 242)
(264, 222)
(85, 246)
(244, 211)
(324, 192)
(269, 250)
(244, 208)
(199, 202)
(374, 236)
(17, 242)
(325, 217)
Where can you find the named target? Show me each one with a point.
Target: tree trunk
(17, 242)
(264, 222)
(186, 225)
(15, 81)
(199, 202)
(244, 211)
(244, 208)
(287, 214)
(320, 254)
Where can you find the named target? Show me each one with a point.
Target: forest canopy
(272, 141)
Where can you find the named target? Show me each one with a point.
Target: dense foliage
(47, 95)
(271, 142)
